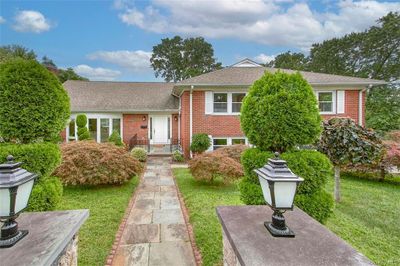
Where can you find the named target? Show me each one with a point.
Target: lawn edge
(185, 211)
(118, 235)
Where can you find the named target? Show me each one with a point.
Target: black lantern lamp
(279, 186)
(15, 189)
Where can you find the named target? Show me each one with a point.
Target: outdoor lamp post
(15, 189)
(279, 186)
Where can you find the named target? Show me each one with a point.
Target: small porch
(166, 148)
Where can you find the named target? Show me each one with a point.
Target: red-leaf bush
(233, 151)
(91, 163)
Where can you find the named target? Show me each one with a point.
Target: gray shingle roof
(245, 76)
(120, 96)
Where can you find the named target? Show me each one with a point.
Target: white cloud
(31, 21)
(2, 20)
(138, 61)
(263, 58)
(97, 73)
(271, 22)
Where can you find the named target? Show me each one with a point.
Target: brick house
(164, 116)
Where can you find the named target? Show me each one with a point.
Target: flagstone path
(155, 232)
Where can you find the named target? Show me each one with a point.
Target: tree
(346, 143)
(279, 112)
(48, 63)
(200, 143)
(69, 74)
(8, 52)
(289, 60)
(33, 104)
(177, 59)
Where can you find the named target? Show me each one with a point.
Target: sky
(113, 40)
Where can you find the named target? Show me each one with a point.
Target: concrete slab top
(314, 244)
(49, 234)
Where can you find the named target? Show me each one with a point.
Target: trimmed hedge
(38, 158)
(115, 138)
(46, 194)
(313, 166)
(139, 154)
(33, 104)
(318, 205)
(81, 122)
(200, 143)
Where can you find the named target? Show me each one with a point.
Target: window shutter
(211, 146)
(340, 102)
(209, 102)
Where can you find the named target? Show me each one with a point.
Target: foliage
(210, 166)
(232, 151)
(68, 74)
(318, 204)
(250, 192)
(38, 158)
(115, 138)
(46, 194)
(91, 163)
(345, 142)
(33, 104)
(107, 205)
(288, 60)
(279, 112)
(81, 122)
(383, 108)
(177, 59)
(200, 143)
(139, 154)
(177, 156)
(9, 52)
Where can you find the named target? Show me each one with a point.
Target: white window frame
(228, 141)
(333, 102)
(229, 103)
(232, 102)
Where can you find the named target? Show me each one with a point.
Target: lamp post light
(279, 186)
(15, 189)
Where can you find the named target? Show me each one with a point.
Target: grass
(107, 206)
(201, 200)
(367, 217)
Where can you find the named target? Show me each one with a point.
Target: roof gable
(246, 63)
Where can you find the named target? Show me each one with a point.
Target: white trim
(333, 101)
(151, 118)
(191, 118)
(228, 140)
(360, 107)
(340, 101)
(229, 102)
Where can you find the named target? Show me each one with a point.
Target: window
(220, 102)
(237, 99)
(93, 128)
(104, 129)
(116, 125)
(71, 130)
(325, 102)
(238, 141)
(219, 143)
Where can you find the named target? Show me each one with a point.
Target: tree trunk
(382, 173)
(337, 183)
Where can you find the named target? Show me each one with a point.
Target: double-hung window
(220, 102)
(237, 99)
(325, 102)
(219, 143)
(224, 102)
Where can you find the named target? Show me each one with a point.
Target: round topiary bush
(200, 143)
(81, 122)
(279, 112)
(92, 163)
(33, 104)
(177, 156)
(115, 138)
(139, 154)
(46, 194)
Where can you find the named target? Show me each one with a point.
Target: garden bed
(107, 206)
(366, 218)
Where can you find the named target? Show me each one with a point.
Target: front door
(159, 129)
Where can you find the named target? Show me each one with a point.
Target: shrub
(33, 104)
(279, 112)
(210, 166)
(139, 154)
(177, 156)
(83, 132)
(115, 138)
(318, 204)
(250, 192)
(38, 158)
(91, 163)
(200, 143)
(232, 151)
(252, 159)
(46, 194)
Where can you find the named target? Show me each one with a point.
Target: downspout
(179, 121)
(191, 117)
(360, 105)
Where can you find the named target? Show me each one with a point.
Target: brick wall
(132, 125)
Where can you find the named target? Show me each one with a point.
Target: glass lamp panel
(284, 194)
(265, 190)
(4, 202)
(23, 193)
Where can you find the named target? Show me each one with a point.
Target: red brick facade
(134, 124)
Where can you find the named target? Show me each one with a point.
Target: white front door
(159, 129)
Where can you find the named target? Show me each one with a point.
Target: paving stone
(148, 188)
(167, 188)
(149, 174)
(165, 194)
(169, 203)
(141, 233)
(146, 195)
(174, 232)
(132, 255)
(138, 216)
(146, 204)
(171, 253)
(168, 216)
(166, 182)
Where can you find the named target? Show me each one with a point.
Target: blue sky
(112, 40)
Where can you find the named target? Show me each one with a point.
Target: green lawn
(367, 217)
(107, 206)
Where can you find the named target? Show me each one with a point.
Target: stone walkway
(155, 232)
